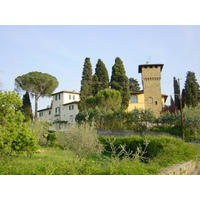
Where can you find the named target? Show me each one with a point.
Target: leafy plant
(16, 136)
(81, 139)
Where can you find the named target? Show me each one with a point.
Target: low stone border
(185, 168)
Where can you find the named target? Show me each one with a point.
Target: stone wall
(120, 133)
(185, 168)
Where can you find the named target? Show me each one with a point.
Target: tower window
(156, 102)
(134, 99)
(150, 100)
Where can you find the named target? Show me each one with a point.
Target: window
(150, 100)
(50, 112)
(57, 111)
(73, 97)
(71, 118)
(134, 99)
(57, 97)
(156, 102)
(71, 107)
(41, 114)
(70, 96)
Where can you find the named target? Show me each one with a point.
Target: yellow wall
(140, 103)
(163, 100)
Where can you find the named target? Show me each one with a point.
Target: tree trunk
(36, 105)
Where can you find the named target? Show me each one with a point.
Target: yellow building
(150, 97)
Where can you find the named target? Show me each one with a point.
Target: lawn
(161, 152)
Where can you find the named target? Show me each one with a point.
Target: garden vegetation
(28, 147)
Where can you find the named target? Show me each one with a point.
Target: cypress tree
(133, 85)
(86, 83)
(95, 86)
(191, 90)
(120, 82)
(176, 93)
(26, 107)
(100, 78)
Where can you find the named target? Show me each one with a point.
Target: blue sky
(61, 51)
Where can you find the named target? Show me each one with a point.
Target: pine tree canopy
(38, 84)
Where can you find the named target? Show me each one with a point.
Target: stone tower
(151, 77)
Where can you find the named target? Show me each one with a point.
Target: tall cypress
(133, 85)
(176, 93)
(100, 78)
(86, 83)
(26, 107)
(191, 90)
(120, 82)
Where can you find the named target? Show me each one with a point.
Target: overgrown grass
(161, 152)
(58, 162)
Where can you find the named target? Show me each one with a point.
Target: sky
(61, 50)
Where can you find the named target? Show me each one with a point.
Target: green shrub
(163, 149)
(81, 139)
(15, 136)
(42, 131)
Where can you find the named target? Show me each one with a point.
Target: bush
(15, 136)
(42, 131)
(81, 139)
(164, 150)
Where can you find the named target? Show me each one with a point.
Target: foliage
(164, 152)
(81, 139)
(26, 107)
(100, 78)
(171, 109)
(171, 122)
(41, 128)
(119, 81)
(163, 149)
(176, 93)
(133, 85)
(191, 90)
(108, 98)
(117, 119)
(169, 118)
(86, 83)
(38, 84)
(192, 119)
(15, 135)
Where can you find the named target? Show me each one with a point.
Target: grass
(59, 162)
(164, 152)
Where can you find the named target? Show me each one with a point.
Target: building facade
(63, 109)
(150, 97)
(64, 106)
